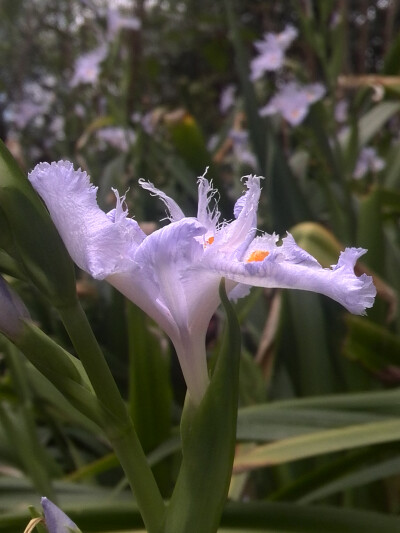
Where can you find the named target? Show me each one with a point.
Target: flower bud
(56, 520)
(12, 310)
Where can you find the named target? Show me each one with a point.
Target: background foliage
(319, 400)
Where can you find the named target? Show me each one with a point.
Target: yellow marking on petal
(257, 255)
(210, 240)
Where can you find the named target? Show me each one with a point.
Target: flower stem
(119, 426)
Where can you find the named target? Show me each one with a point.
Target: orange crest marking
(257, 255)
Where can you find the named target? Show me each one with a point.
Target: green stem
(208, 435)
(119, 427)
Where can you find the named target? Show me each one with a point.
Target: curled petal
(99, 244)
(290, 267)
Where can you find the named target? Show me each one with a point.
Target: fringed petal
(206, 215)
(99, 244)
(234, 238)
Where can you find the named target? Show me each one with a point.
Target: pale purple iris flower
(368, 161)
(341, 111)
(292, 101)
(271, 52)
(241, 148)
(56, 520)
(35, 103)
(174, 273)
(119, 138)
(116, 22)
(87, 66)
(227, 98)
(22, 113)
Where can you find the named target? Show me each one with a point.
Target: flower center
(257, 255)
(209, 241)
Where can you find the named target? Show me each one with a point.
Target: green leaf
(380, 470)
(265, 423)
(292, 518)
(150, 391)
(332, 440)
(306, 343)
(283, 188)
(391, 65)
(370, 230)
(189, 141)
(208, 434)
(36, 244)
(373, 346)
(372, 122)
(387, 402)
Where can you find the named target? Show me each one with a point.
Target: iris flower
(368, 161)
(271, 52)
(119, 138)
(292, 101)
(173, 274)
(116, 22)
(87, 66)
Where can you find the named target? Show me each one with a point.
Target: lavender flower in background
(57, 127)
(271, 52)
(341, 111)
(87, 66)
(116, 22)
(368, 161)
(148, 120)
(227, 98)
(22, 113)
(36, 103)
(293, 101)
(241, 149)
(119, 138)
(79, 110)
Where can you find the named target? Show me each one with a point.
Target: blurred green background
(161, 89)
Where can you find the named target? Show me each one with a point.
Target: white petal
(239, 291)
(99, 244)
(167, 254)
(175, 213)
(190, 298)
